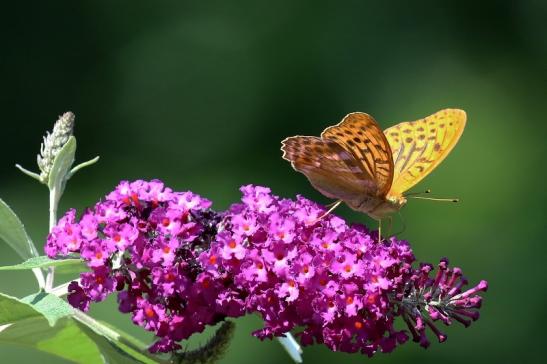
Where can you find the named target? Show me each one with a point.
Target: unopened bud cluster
(53, 142)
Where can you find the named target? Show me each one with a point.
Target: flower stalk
(54, 198)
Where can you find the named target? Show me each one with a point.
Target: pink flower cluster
(179, 266)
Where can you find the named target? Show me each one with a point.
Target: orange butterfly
(356, 163)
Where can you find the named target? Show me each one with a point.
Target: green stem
(54, 198)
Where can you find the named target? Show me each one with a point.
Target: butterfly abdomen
(377, 207)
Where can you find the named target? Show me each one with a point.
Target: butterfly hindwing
(361, 135)
(330, 168)
(420, 146)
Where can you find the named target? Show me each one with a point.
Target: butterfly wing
(361, 136)
(331, 169)
(420, 146)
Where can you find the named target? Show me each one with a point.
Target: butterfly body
(370, 169)
(378, 207)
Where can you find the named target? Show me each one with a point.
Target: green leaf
(13, 310)
(28, 325)
(115, 352)
(36, 176)
(83, 165)
(50, 306)
(13, 233)
(65, 340)
(44, 262)
(61, 166)
(42, 304)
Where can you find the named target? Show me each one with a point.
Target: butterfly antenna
(436, 199)
(418, 193)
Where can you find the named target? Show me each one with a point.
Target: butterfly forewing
(330, 168)
(361, 136)
(420, 146)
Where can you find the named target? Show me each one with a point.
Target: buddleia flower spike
(184, 266)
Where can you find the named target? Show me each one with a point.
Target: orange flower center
(169, 277)
(213, 259)
(358, 325)
(135, 199)
(232, 244)
(149, 312)
(323, 282)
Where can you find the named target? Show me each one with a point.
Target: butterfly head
(397, 201)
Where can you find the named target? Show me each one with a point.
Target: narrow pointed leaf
(61, 166)
(13, 233)
(83, 165)
(36, 176)
(44, 262)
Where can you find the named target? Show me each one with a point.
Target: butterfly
(369, 169)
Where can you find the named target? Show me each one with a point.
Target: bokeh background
(199, 94)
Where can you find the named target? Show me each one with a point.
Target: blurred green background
(199, 94)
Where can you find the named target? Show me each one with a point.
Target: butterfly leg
(329, 205)
(334, 205)
(390, 226)
(379, 230)
(404, 224)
